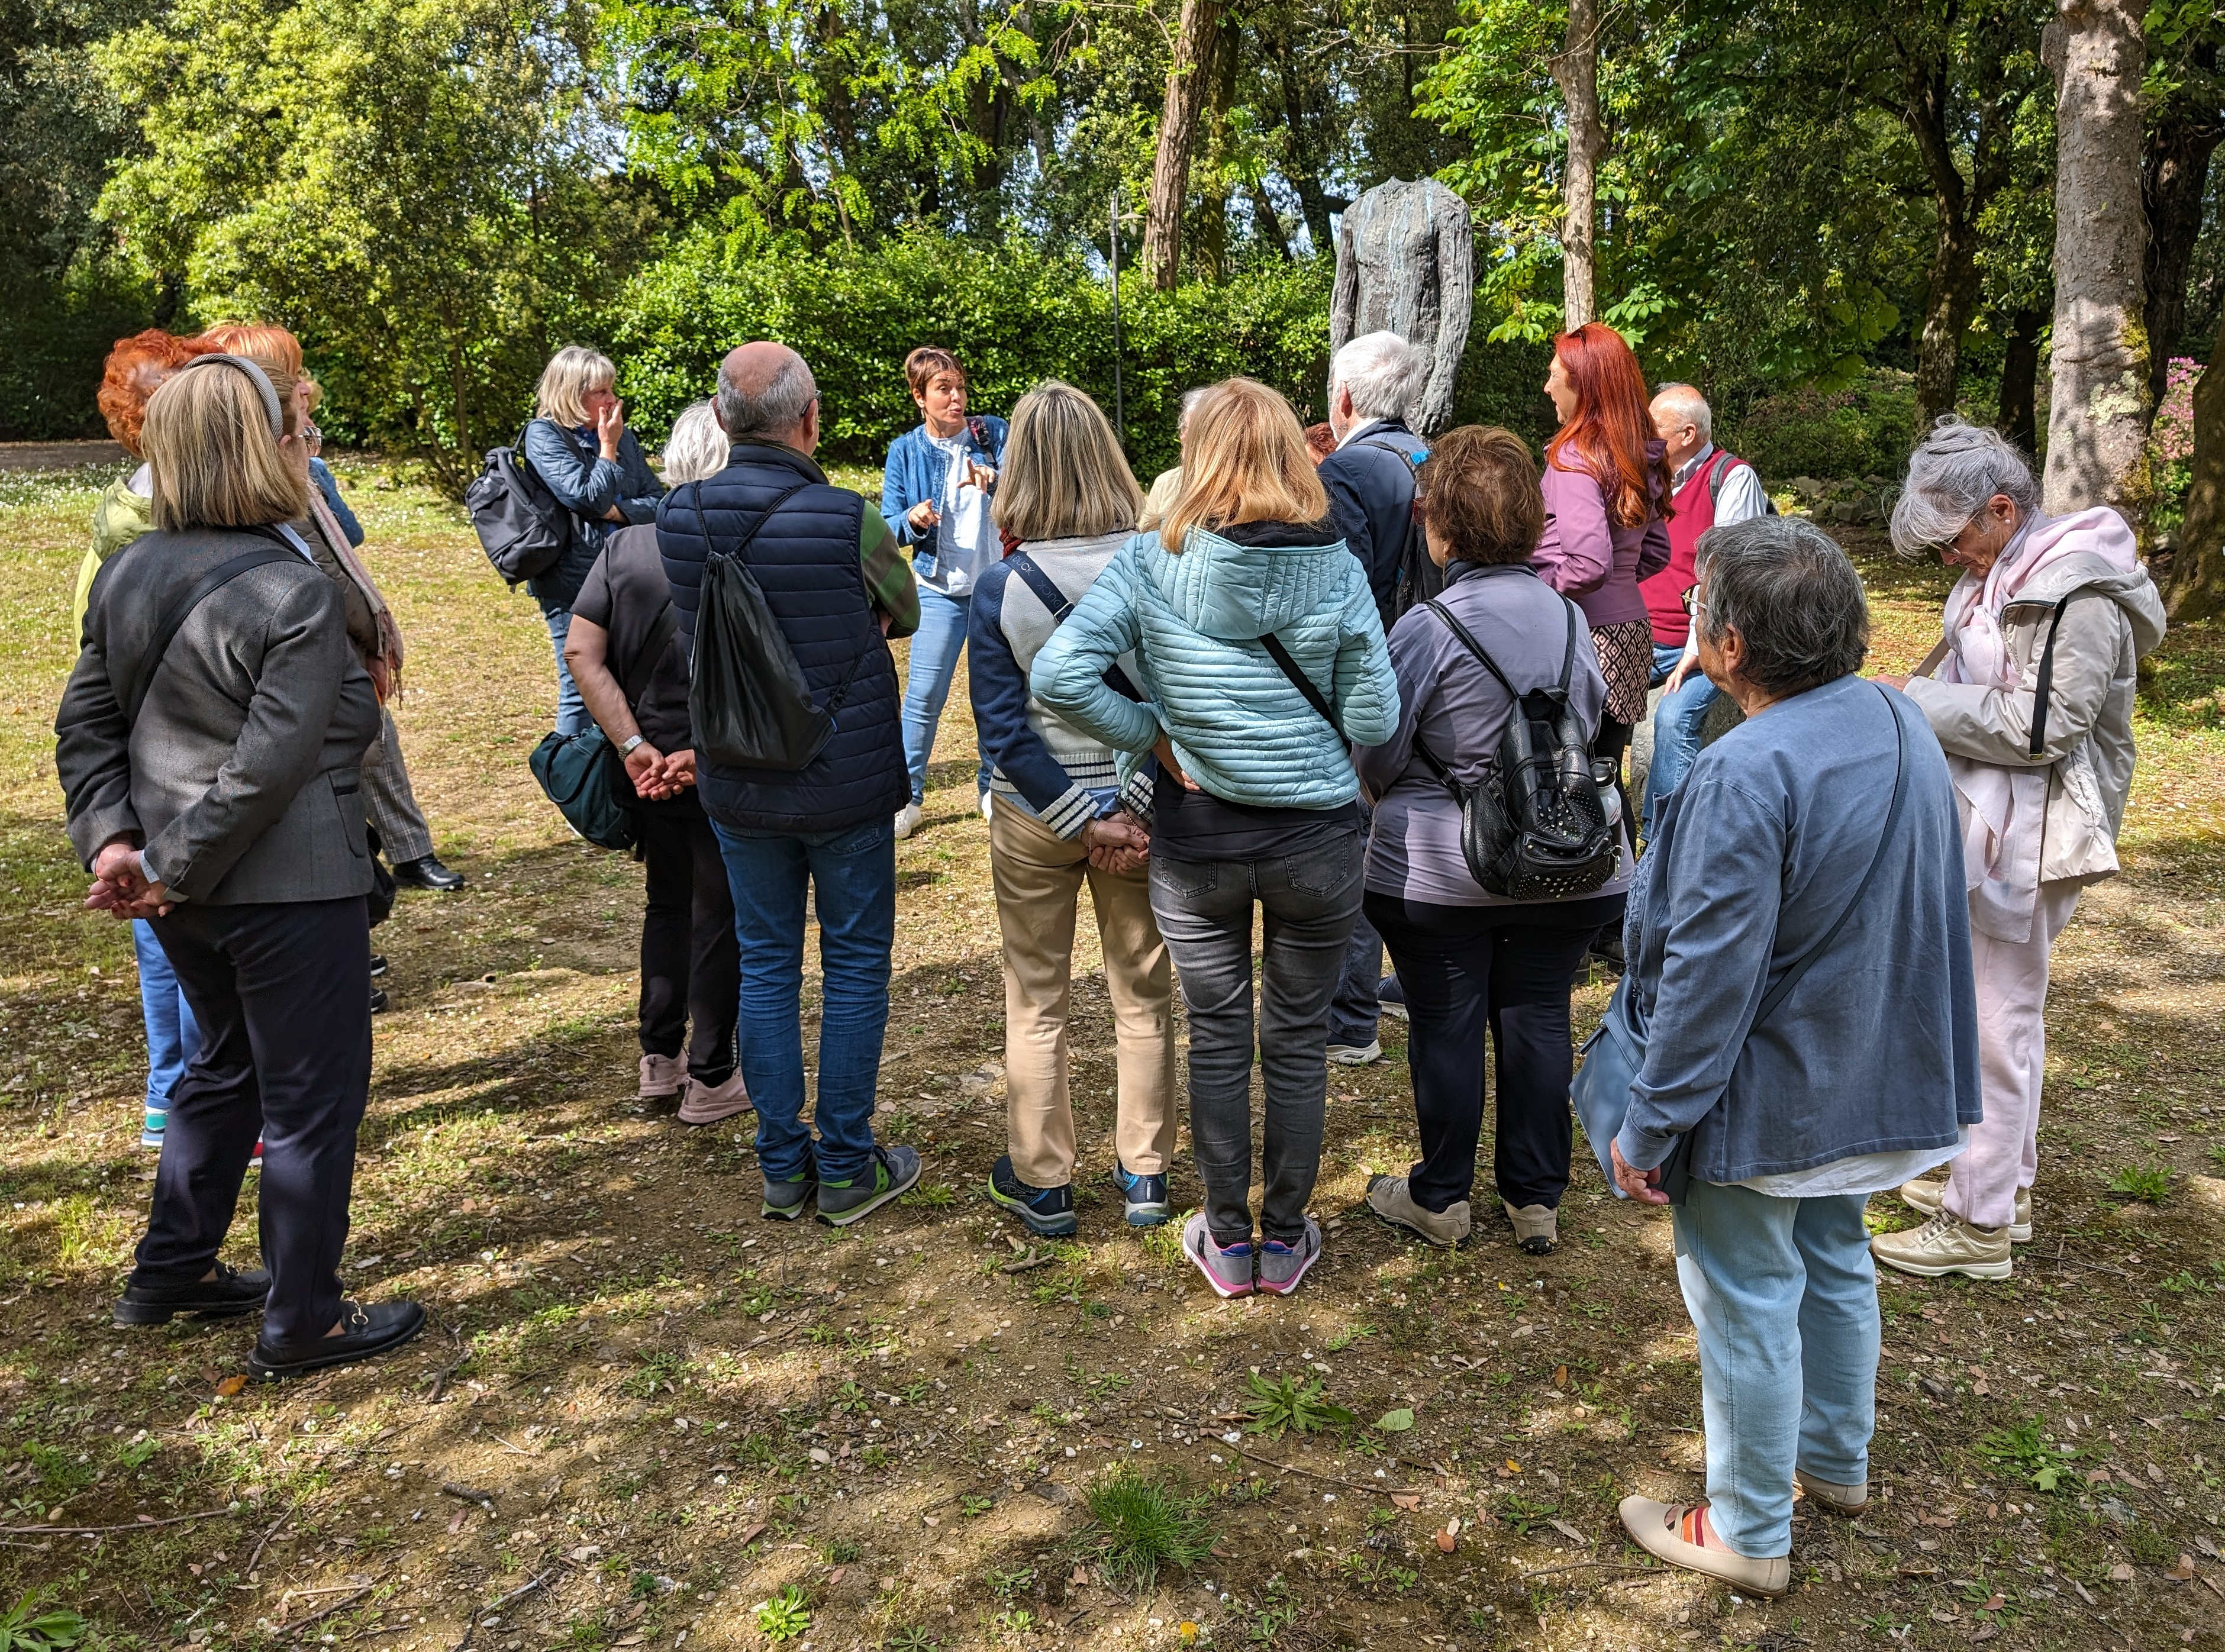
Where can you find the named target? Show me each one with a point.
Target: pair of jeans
(929, 669)
(1782, 1293)
(851, 874)
(171, 1037)
(690, 964)
(1309, 902)
(571, 710)
(1355, 1013)
(281, 992)
(1505, 971)
(1677, 723)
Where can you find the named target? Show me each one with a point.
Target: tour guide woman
(1799, 949)
(935, 491)
(1256, 801)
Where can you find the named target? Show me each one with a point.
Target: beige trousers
(1038, 877)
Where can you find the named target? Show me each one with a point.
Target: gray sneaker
(786, 1200)
(1392, 1198)
(1228, 1269)
(1282, 1266)
(895, 1169)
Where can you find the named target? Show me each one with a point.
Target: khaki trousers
(1038, 877)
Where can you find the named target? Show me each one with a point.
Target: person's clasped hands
(121, 886)
(656, 774)
(1117, 843)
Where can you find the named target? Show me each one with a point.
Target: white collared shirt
(1740, 499)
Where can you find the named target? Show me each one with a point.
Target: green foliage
(34, 1624)
(1285, 1405)
(785, 1617)
(1140, 1523)
(1863, 429)
(2149, 1184)
(2022, 1448)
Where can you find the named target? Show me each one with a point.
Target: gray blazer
(240, 775)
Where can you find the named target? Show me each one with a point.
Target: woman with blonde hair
(1062, 818)
(1260, 660)
(577, 444)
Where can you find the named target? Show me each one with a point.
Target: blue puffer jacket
(1238, 726)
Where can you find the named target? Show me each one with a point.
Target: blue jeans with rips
(1676, 722)
(851, 874)
(929, 669)
(1782, 1293)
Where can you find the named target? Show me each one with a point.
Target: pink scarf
(385, 666)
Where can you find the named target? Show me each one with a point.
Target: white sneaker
(1927, 1198)
(987, 798)
(1947, 1244)
(1356, 1054)
(906, 821)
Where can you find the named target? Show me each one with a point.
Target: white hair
(1688, 405)
(1190, 399)
(1951, 474)
(1382, 373)
(696, 448)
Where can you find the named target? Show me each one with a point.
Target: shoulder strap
(1799, 967)
(175, 616)
(742, 544)
(2046, 680)
(1299, 681)
(1719, 469)
(1025, 569)
(1468, 640)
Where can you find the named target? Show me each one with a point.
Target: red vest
(1693, 514)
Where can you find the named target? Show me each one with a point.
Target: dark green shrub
(1864, 430)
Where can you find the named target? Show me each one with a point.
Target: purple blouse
(1586, 558)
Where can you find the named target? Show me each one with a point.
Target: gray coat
(239, 777)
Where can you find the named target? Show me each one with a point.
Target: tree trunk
(1267, 223)
(2097, 422)
(2198, 566)
(1212, 211)
(1576, 71)
(2174, 176)
(1303, 167)
(1947, 312)
(2021, 379)
(1187, 80)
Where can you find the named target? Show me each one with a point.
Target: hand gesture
(978, 476)
(922, 516)
(1118, 844)
(1643, 1185)
(610, 425)
(680, 770)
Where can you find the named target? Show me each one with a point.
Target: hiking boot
(1391, 998)
(1679, 1533)
(1282, 1265)
(706, 1103)
(225, 1293)
(365, 1333)
(661, 1076)
(1537, 1227)
(1947, 1244)
(786, 1200)
(1047, 1212)
(907, 820)
(1146, 1196)
(895, 1169)
(1227, 1268)
(1927, 1198)
(1392, 1199)
(1848, 1500)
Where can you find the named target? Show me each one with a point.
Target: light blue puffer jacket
(1237, 726)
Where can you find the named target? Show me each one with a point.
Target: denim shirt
(917, 470)
(571, 463)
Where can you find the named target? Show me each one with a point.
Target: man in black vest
(837, 584)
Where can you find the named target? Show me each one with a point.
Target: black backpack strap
(1468, 640)
(181, 607)
(1300, 682)
(2046, 680)
(1024, 569)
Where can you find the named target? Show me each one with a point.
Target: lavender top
(1584, 556)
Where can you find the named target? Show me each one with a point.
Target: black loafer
(426, 872)
(158, 1302)
(365, 1333)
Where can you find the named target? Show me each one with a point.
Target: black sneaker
(378, 1001)
(365, 1333)
(1145, 1196)
(1046, 1211)
(157, 1301)
(378, 965)
(426, 872)
(895, 1169)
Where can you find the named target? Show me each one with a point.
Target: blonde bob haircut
(1064, 475)
(573, 374)
(1244, 460)
(213, 461)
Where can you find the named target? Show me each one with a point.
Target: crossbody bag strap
(1800, 966)
(1029, 574)
(181, 607)
(1299, 681)
(2046, 679)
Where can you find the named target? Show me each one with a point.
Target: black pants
(1508, 970)
(690, 961)
(283, 995)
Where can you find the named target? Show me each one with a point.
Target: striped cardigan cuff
(1073, 811)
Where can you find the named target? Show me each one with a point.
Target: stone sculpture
(1405, 261)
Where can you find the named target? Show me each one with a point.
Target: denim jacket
(917, 470)
(572, 464)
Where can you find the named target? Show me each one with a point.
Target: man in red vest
(1711, 487)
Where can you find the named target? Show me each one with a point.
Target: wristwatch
(626, 750)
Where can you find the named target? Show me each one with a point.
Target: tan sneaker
(1947, 1244)
(1537, 1227)
(662, 1076)
(1848, 1500)
(1928, 1198)
(706, 1103)
(1392, 1199)
(1669, 1530)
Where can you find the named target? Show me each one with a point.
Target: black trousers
(1506, 970)
(283, 995)
(691, 967)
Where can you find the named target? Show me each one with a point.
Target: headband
(260, 379)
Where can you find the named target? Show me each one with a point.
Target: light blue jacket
(1238, 726)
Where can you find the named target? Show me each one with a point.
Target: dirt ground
(644, 1417)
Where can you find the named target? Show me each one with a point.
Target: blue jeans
(1676, 722)
(933, 662)
(1784, 1295)
(852, 875)
(173, 1039)
(571, 710)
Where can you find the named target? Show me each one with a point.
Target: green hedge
(1865, 430)
(54, 337)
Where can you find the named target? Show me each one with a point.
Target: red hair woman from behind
(1605, 483)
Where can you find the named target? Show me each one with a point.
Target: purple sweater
(1584, 557)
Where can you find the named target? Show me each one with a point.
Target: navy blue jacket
(805, 560)
(1370, 481)
(571, 463)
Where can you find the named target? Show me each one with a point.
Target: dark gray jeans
(1204, 911)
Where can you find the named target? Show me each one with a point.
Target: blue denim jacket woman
(577, 444)
(935, 490)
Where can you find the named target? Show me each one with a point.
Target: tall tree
(1576, 71)
(2185, 100)
(1189, 79)
(2097, 421)
(2197, 583)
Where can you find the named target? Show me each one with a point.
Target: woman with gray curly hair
(2030, 691)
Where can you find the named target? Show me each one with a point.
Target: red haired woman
(1607, 496)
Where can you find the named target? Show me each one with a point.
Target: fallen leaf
(1571, 1533)
(2184, 1572)
(2120, 1572)
(1407, 1499)
(1994, 1603)
(1984, 1632)
(1560, 1376)
(1448, 1540)
(1513, 1467)
(835, 1576)
(1081, 1575)
(456, 1521)
(1396, 1422)
(752, 1535)
(231, 1385)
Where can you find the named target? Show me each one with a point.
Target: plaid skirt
(1625, 657)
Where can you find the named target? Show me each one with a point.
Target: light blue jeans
(571, 710)
(173, 1039)
(933, 662)
(1784, 1295)
(1676, 722)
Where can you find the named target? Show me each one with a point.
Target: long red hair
(1611, 432)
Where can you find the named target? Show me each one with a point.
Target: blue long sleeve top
(571, 463)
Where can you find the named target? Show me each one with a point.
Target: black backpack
(1539, 825)
(524, 527)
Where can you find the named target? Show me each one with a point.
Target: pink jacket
(1584, 558)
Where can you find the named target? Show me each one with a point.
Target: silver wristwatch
(626, 750)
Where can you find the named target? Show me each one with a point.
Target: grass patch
(2143, 1184)
(1140, 1521)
